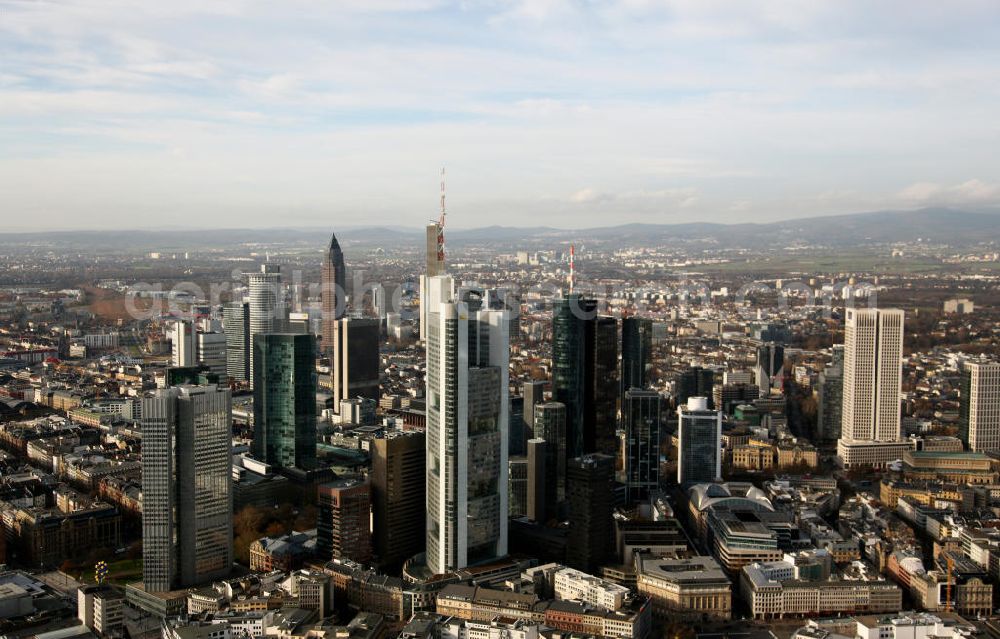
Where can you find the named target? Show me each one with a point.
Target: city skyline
(641, 111)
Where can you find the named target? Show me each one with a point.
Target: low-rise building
(684, 588)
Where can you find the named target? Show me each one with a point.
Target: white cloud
(970, 192)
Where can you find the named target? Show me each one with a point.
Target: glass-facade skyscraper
(642, 418)
(467, 421)
(699, 442)
(637, 348)
(334, 293)
(267, 306)
(236, 325)
(187, 521)
(284, 400)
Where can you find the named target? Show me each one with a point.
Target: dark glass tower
(588, 480)
(572, 368)
(695, 382)
(637, 347)
(334, 293)
(284, 400)
(642, 417)
(550, 425)
(605, 386)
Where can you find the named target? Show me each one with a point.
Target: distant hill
(939, 225)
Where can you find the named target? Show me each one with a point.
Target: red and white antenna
(572, 267)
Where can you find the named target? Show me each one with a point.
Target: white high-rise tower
(467, 428)
(871, 433)
(267, 305)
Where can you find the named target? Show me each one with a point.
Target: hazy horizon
(243, 114)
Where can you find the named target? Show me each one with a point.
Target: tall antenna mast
(441, 219)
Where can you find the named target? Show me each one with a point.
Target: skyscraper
(550, 425)
(267, 306)
(695, 382)
(588, 481)
(533, 391)
(399, 496)
(210, 352)
(642, 418)
(871, 432)
(467, 391)
(434, 235)
(637, 348)
(354, 359)
(830, 401)
(606, 388)
(517, 485)
(573, 368)
(537, 480)
(699, 442)
(182, 350)
(333, 294)
(284, 400)
(979, 406)
(770, 367)
(236, 324)
(343, 520)
(187, 521)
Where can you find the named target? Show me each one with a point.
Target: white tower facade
(467, 429)
(871, 431)
(979, 410)
(267, 305)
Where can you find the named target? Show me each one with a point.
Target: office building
(642, 419)
(871, 433)
(236, 324)
(588, 485)
(267, 306)
(284, 400)
(979, 406)
(637, 349)
(606, 387)
(699, 442)
(537, 480)
(343, 521)
(333, 295)
(434, 266)
(182, 351)
(517, 485)
(210, 352)
(354, 359)
(691, 588)
(770, 367)
(770, 592)
(466, 395)
(550, 425)
(573, 369)
(829, 403)
(533, 392)
(695, 382)
(187, 520)
(518, 430)
(101, 608)
(399, 515)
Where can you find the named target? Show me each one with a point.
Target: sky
(238, 113)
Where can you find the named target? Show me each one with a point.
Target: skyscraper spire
(334, 293)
